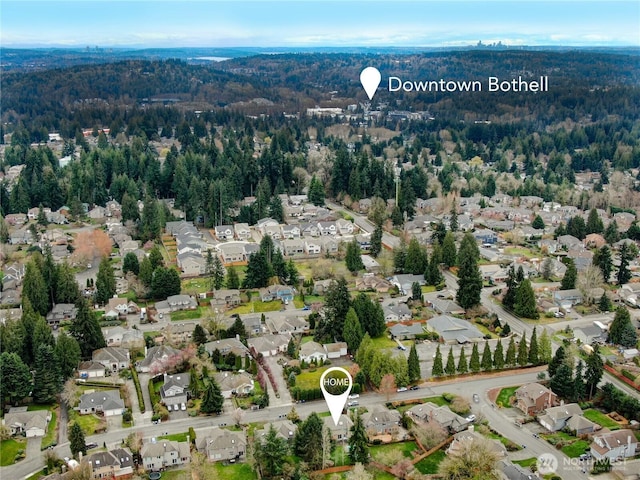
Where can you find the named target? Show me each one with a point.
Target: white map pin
(370, 79)
(336, 402)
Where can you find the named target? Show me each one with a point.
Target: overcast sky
(212, 23)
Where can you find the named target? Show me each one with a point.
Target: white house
(614, 445)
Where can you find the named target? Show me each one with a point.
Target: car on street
(402, 389)
(353, 395)
(414, 387)
(91, 445)
(476, 398)
(183, 407)
(353, 403)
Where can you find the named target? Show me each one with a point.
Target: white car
(183, 407)
(402, 389)
(353, 403)
(353, 395)
(471, 418)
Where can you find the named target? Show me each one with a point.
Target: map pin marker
(336, 384)
(370, 79)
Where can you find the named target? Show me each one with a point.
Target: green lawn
(51, 435)
(527, 462)
(523, 252)
(407, 448)
(187, 314)
(430, 464)
(237, 471)
(36, 475)
(384, 342)
(306, 339)
(504, 396)
(308, 379)
(9, 449)
(575, 449)
(428, 288)
(309, 299)
(601, 419)
(435, 400)
(198, 285)
(257, 307)
(175, 437)
(174, 474)
(340, 456)
(89, 423)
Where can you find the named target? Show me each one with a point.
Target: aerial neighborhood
(176, 280)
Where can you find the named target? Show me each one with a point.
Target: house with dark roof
(107, 402)
(430, 412)
(175, 389)
(114, 464)
(340, 432)
(381, 421)
(158, 358)
(221, 445)
(557, 418)
(406, 332)
(61, 312)
(285, 429)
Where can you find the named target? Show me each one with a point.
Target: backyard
(257, 307)
(379, 452)
(601, 419)
(429, 465)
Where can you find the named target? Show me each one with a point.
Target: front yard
(9, 450)
(571, 446)
(90, 424)
(505, 395)
(187, 314)
(310, 379)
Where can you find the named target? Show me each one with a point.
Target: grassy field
(89, 423)
(175, 474)
(430, 464)
(9, 449)
(504, 396)
(601, 419)
(310, 380)
(187, 314)
(195, 285)
(406, 448)
(521, 251)
(575, 449)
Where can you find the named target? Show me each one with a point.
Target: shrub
(136, 383)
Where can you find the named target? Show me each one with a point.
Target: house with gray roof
(221, 445)
(107, 402)
(114, 359)
(158, 455)
(32, 424)
(175, 389)
(430, 412)
(285, 429)
(454, 330)
(406, 332)
(381, 421)
(114, 464)
(158, 358)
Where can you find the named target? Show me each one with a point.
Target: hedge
(136, 382)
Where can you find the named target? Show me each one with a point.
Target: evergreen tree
(611, 234)
(547, 269)
(68, 355)
(130, 264)
(510, 358)
(371, 314)
(525, 305)
(622, 332)
(578, 383)
(316, 192)
(308, 441)
(462, 362)
(523, 352)
(259, 271)
(46, 380)
(570, 275)
(594, 222)
(562, 382)
(165, 282)
(337, 303)
(200, 337)
(35, 289)
(86, 330)
(293, 277)
(538, 223)
(358, 441)
(449, 253)
(509, 299)
(105, 282)
(602, 259)
(450, 369)
(416, 259)
(352, 330)
(498, 356)
(155, 257)
(276, 211)
(194, 383)
(544, 347)
(376, 242)
(433, 276)
(416, 292)
(624, 274)
(16, 378)
(558, 359)
(213, 400)
(146, 272)
(534, 357)
(604, 304)
(437, 369)
(76, 440)
(413, 365)
(487, 362)
(594, 371)
(453, 218)
(353, 258)
(233, 281)
(474, 362)
(272, 453)
(279, 266)
(469, 278)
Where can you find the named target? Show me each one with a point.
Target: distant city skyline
(214, 23)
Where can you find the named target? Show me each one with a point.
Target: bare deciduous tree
(359, 473)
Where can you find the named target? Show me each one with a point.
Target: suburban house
(380, 421)
(232, 253)
(590, 334)
(470, 436)
(513, 471)
(336, 350)
(159, 455)
(252, 324)
(566, 299)
(61, 312)
(277, 292)
(91, 369)
(614, 445)
(178, 333)
(269, 345)
(32, 424)
(570, 414)
(123, 337)
(234, 383)
(242, 231)
(454, 330)
(176, 303)
(107, 402)
(226, 346)
(406, 332)
(396, 312)
(222, 445)
(341, 431)
(158, 358)
(533, 398)
(114, 359)
(191, 264)
(287, 326)
(175, 389)
(223, 299)
(224, 232)
(312, 352)
(114, 464)
(284, 429)
(430, 412)
(446, 307)
(370, 282)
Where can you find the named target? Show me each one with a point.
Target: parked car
(183, 407)
(402, 347)
(471, 418)
(91, 445)
(476, 398)
(353, 403)
(402, 389)
(353, 395)
(414, 387)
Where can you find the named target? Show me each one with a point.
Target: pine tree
(413, 365)
(509, 298)
(523, 352)
(76, 440)
(376, 242)
(498, 356)
(604, 304)
(213, 400)
(594, 222)
(233, 281)
(525, 305)
(146, 272)
(35, 289)
(105, 282)
(469, 278)
(433, 276)
(358, 442)
(218, 273)
(437, 370)
(534, 358)
(353, 257)
(258, 272)
(594, 371)
(68, 355)
(272, 453)
(86, 330)
(578, 383)
(624, 274)
(449, 254)
(602, 259)
(562, 382)
(544, 347)
(46, 380)
(450, 369)
(416, 259)
(462, 362)
(200, 337)
(474, 362)
(194, 383)
(510, 359)
(557, 360)
(487, 361)
(352, 330)
(130, 263)
(570, 275)
(453, 218)
(16, 377)
(622, 332)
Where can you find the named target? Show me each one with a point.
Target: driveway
(33, 447)
(283, 391)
